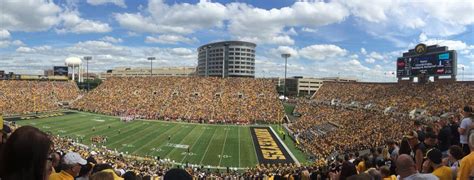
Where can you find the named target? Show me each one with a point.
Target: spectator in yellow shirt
(467, 163)
(71, 167)
(434, 161)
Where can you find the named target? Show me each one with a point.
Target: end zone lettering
(269, 150)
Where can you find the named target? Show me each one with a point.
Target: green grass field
(213, 145)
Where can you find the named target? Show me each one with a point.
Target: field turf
(209, 145)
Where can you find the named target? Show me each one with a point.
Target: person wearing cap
(466, 169)
(434, 161)
(418, 149)
(463, 129)
(72, 163)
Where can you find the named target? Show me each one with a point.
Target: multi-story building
(227, 59)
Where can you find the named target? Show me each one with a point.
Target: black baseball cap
(6, 129)
(434, 155)
(467, 109)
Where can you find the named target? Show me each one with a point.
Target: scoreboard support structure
(423, 62)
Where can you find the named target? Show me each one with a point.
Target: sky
(349, 38)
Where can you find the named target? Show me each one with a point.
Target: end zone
(270, 149)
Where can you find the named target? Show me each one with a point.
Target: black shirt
(444, 138)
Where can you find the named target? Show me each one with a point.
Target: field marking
(223, 147)
(193, 144)
(120, 140)
(253, 143)
(207, 148)
(286, 147)
(144, 135)
(238, 133)
(155, 139)
(172, 150)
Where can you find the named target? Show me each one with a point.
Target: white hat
(74, 158)
(93, 153)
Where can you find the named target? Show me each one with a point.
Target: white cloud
(37, 49)
(370, 60)
(285, 50)
(119, 3)
(423, 37)
(4, 34)
(363, 51)
(375, 55)
(31, 15)
(460, 46)
(111, 39)
(435, 18)
(322, 51)
(182, 51)
(105, 56)
(310, 30)
(170, 39)
(244, 21)
(7, 43)
(248, 22)
(97, 47)
(181, 18)
(72, 22)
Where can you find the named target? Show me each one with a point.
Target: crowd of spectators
(436, 98)
(30, 154)
(193, 99)
(326, 131)
(24, 97)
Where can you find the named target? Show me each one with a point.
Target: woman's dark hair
(24, 155)
(456, 151)
(130, 175)
(85, 169)
(100, 167)
(404, 147)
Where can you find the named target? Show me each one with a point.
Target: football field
(201, 144)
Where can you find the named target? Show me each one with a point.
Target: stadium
(222, 119)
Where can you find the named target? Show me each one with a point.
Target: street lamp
(87, 59)
(151, 59)
(286, 56)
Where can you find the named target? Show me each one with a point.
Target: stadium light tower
(87, 59)
(286, 56)
(151, 59)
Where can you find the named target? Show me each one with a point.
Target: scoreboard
(60, 70)
(435, 64)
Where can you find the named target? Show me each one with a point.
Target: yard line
(223, 147)
(155, 139)
(238, 132)
(181, 141)
(207, 148)
(193, 145)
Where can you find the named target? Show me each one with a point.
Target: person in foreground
(25, 155)
(72, 163)
(466, 170)
(406, 169)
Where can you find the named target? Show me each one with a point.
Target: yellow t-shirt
(361, 167)
(443, 173)
(392, 177)
(467, 164)
(63, 175)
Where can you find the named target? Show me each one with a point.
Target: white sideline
(286, 148)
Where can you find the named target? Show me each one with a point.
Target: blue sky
(359, 39)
